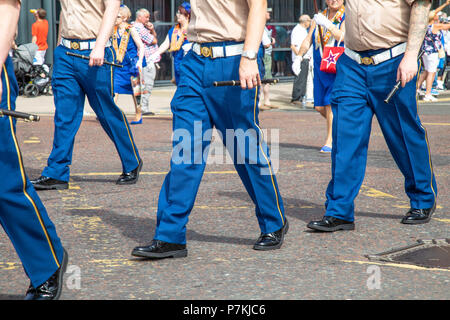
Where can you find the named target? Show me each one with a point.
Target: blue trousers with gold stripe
(196, 101)
(72, 80)
(22, 214)
(358, 94)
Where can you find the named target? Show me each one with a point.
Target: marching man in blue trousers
(22, 214)
(85, 29)
(226, 39)
(382, 40)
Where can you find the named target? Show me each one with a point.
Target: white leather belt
(80, 45)
(378, 58)
(219, 51)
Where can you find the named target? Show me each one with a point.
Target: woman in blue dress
(332, 23)
(176, 41)
(129, 50)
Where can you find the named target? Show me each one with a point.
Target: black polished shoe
(271, 241)
(159, 249)
(130, 177)
(50, 289)
(331, 224)
(46, 183)
(148, 113)
(418, 216)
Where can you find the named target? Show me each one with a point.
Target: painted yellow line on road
(31, 141)
(142, 173)
(436, 124)
(397, 265)
(82, 208)
(407, 206)
(442, 220)
(374, 193)
(9, 265)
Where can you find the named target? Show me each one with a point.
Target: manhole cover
(424, 253)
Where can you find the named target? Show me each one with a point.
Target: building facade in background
(285, 15)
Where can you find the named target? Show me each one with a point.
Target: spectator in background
(447, 50)
(432, 46)
(268, 41)
(130, 53)
(279, 57)
(165, 64)
(300, 65)
(443, 61)
(149, 38)
(39, 32)
(176, 40)
(332, 23)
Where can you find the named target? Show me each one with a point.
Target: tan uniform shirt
(376, 24)
(81, 19)
(218, 20)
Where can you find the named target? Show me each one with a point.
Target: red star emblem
(332, 58)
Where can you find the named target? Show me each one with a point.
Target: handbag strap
(342, 35)
(340, 39)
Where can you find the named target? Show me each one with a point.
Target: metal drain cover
(424, 253)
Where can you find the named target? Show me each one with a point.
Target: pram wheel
(48, 90)
(31, 90)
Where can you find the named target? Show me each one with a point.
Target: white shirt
(447, 41)
(267, 39)
(299, 33)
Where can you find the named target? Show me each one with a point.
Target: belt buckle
(74, 45)
(367, 61)
(206, 52)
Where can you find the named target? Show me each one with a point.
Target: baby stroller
(33, 80)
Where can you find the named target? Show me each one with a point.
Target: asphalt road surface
(100, 223)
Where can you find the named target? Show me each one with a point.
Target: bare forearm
(418, 26)
(255, 24)
(10, 9)
(164, 46)
(338, 33)
(306, 44)
(109, 18)
(139, 43)
(439, 9)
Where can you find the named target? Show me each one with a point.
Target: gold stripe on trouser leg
(265, 156)
(426, 136)
(22, 171)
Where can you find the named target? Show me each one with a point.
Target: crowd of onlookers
(312, 86)
(141, 55)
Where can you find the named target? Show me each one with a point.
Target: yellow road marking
(437, 124)
(374, 193)
(142, 173)
(9, 265)
(442, 220)
(397, 265)
(407, 206)
(31, 141)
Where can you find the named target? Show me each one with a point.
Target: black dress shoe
(330, 224)
(418, 216)
(159, 249)
(50, 289)
(271, 241)
(148, 113)
(46, 183)
(130, 177)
